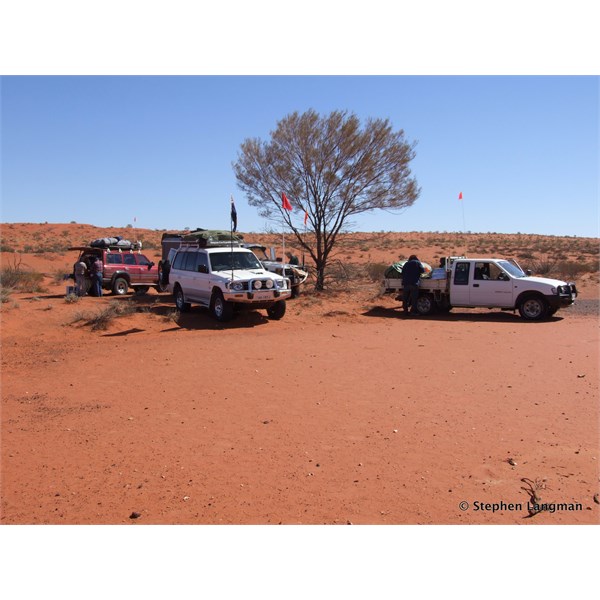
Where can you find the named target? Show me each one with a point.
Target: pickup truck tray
(393, 285)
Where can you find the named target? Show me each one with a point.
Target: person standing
(80, 270)
(96, 275)
(411, 276)
(292, 259)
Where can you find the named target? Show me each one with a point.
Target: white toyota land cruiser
(225, 279)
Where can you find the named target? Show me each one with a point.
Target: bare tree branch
(330, 167)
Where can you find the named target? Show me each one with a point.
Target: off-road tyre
(425, 304)
(533, 308)
(220, 309)
(120, 286)
(163, 278)
(277, 310)
(180, 303)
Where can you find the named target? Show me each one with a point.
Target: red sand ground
(342, 412)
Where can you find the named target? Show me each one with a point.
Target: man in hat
(411, 276)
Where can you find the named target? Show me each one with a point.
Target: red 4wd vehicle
(122, 269)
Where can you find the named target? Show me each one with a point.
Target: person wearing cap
(411, 276)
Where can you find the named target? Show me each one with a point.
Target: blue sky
(102, 150)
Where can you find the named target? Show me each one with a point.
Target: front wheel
(220, 308)
(120, 286)
(277, 310)
(533, 308)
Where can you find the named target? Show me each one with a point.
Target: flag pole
(232, 228)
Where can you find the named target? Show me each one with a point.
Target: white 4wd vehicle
(224, 279)
(490, 283)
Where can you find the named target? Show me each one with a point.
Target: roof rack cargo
(202, 238)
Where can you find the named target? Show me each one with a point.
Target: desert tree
(331, 168)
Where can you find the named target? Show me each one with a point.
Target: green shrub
(102, 319)
(19, 279)
(375, 271)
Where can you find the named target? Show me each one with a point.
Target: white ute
(224, 279)
(490, 283)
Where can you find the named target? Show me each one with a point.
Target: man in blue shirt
(411, 275)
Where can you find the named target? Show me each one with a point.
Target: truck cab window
(461, 273)
(482, 271)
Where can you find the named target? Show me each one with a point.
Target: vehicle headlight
(238, 286)
(257, 285)
(554, 290)
(269, 283)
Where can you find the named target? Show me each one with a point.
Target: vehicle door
(201, 278)
(459, 286)
(147, 274)
(177, 274)
(490, 286)
(113, 264)
(188, 279)
(132, 268)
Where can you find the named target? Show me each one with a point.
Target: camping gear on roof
(395, 271)
(212, 237)
(104, 242)
(116, 242)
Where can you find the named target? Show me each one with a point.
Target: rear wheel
(277, 310)
(180, 303)
(120, 286)
(425, 304)
(221, 309)
(533, 308)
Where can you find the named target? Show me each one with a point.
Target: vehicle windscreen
(511, 268)
(225, 261)
(260, 254)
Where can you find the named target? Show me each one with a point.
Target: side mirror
(529, 272)
(150, 265)
(202, 269)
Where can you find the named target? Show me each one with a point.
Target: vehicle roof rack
(210, 238)
(209, 244)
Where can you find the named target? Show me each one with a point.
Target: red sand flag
(460, 196)
(305, 217)
(285, 202)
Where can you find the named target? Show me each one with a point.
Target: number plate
(263, 295)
